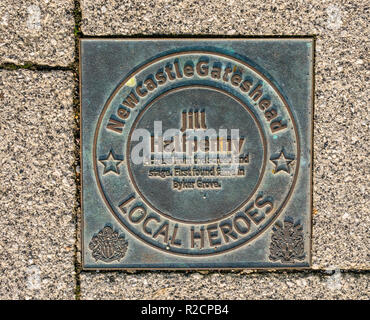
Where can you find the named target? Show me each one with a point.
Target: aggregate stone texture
(37, 189)
(341, 216)
(165, 286)
(37, 31)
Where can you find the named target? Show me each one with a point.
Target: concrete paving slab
(37, 190)
(39, 32)
(231, 17)
(166, 286)
(341, 217)
(341, 220)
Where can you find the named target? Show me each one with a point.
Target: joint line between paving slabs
(33, 67)
(77, 14)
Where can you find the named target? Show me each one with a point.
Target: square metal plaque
(196, 153)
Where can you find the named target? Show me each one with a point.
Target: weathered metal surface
(196, 153)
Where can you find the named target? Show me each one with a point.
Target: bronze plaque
(196, 153)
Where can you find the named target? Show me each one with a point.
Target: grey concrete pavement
(37, 31)
(224, 17)
(341, 220)
(229, 286)
(37, 190)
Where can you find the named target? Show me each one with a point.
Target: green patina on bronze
(204, 213)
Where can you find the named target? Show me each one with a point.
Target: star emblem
(111, 163)
(282, 162)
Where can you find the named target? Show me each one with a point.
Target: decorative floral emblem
(287, 242)
(108, 246)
